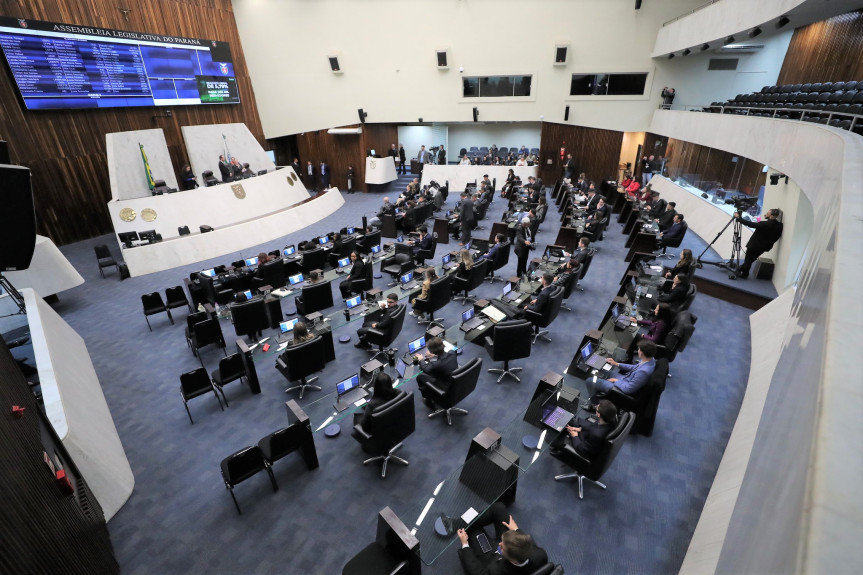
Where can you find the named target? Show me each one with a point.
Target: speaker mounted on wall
(475, 114)
(561, 52)
(334, 64)
(566, 114)
(363, 116)
(442, 60)
(17, 218)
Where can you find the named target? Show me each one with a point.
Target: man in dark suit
(424, 243)
(673, 233)
(581, 254)
(403, 169)
(492, 252)
(586, 436)
(569, 167)
(465, 217)
(591, 200)
(767, 232)
(667, 217)
(225, 170)
(309, 176)
(325, 176)
(437, 366)
(423, 157)
(385, 321)
(678, 294)
(394, 154)
(358, 272)
(441, 157)
(523, 245)
(297, 168)
(516, 553)
(537, 304)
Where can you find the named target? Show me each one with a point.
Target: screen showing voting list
(348, 384)
(295, 279)
(407, 277)
(354, 301)
(343, 262)
(63, 66)
(290, 250)
(287, 326)
(251, 261)
(416, 344)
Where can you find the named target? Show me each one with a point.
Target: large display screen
(61, 66)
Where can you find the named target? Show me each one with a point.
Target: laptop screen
(344, 262)
(210, 272)
(348, 384)
(376, 249)
(507, 287)
(467, 316)
(290, 250)
(322, 240)
(401, 366)
(248, 294)
(586, 351)
(295, 279)
(287, 326)
(448, 213)
(615, 312)
(467, 245)
(350, 231)
(446, 259)
(400, 239)
(417, 344)
(252, 261)
(354, 301)
(407, 277)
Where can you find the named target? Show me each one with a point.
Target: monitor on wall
(63, 66)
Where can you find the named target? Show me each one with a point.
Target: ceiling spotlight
(782, 22)
(687, 52)
(670, 56)
(729, 40)
(755, 32)
(705, 47)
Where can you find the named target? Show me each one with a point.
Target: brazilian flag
(151, 183)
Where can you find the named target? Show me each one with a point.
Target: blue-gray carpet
(180, 518)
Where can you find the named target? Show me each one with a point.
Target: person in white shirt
(465, 161)
(521, 161)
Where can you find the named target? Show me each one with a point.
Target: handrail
(693, 11)
(856, 119)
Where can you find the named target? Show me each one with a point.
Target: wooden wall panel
(66, 149)
(596, 152)
(706, 168)
(826, 51)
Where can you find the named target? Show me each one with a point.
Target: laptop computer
(416, 345)
(350, 231)
(323, 240)
(209, 273)
(555, 416)
(589, 358)
(404, 369)
(286, 327)
(343, 264)
(252, 261)
(248, 294)
(447, 263)
(621, 320)
(400, 239)
(355, 305)
(407, 281)
(349, 392)
(376, 249)
(469, 320)
(290, 252)
(508, 293)
(296, 281)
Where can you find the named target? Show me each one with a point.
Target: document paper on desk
(495, 314)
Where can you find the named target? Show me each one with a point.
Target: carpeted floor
(180, 519)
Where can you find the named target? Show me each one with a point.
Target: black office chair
(423, 255)
(384, 338)
(463, 383)
(176, 297)
(690, 297)
(207, 332)
(104, 258)
(209, 179)
(250, 317)
(315, 297)
(678, 336)
(194, 384)
(242, 465)
(440, 294)
(510, 340)
(153, 304)
(299, 361)
(395, 551)
(273, 273)
(238, 264)
(397, 265)
(644, 403)
(366, 282)
(672, 243)
(584, 267)
(191, 320)
(390, 424)
(370, 239)
(314, 259)
(230, 369)
(501, 258)
(477, 275)
(594, 469)
(548, 315)
(349, 244)
(568, 286)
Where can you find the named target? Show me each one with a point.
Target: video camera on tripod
(742, 203)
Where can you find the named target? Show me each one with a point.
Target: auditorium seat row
(475, 151)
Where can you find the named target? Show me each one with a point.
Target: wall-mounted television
(62, 66)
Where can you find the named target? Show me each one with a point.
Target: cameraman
(767, 232)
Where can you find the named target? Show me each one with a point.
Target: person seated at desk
(635, 376)
(383, 391)
(462, 271)
(516, 553)
(358, 272)
(674, 232)
(425, 241)
(683, 266)
(601, 211)
(508, 184)
(657, 328)
(564, 272)
(541, 208)
(581, 253)
(537, 305)
(301, 334)
(678, 293)
(666, 219)
(390, 306)
(586, 436)
(492, 252)
(589, 203)
(428, 277)
(238, 170)
(522, 161)
(437, 366)
(632, 188)
(262, 259)
(188, 178)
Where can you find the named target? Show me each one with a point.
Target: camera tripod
(14, 294)
(734, 261)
